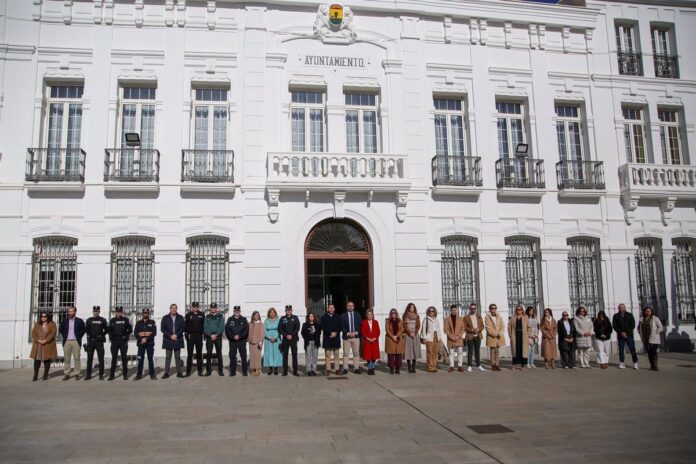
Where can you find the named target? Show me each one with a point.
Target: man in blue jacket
(350, 327)
(72, 329)
(331, 341)
(172, 327)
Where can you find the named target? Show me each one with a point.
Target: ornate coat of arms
(334, 24)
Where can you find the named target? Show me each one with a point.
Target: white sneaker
(635, 366)
(481, 368)
(529, 366)
(533, 366)
(622, 366)
(468, 369)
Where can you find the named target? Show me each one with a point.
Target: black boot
(47, 366)
(37, 364)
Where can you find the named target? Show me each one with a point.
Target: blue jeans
(631, 347)
(530, 358)
(150, 350)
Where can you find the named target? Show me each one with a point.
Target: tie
(351, 321)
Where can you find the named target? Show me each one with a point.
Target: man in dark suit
(72, 329)
(566, 341)
(350, 328)
(172, 327)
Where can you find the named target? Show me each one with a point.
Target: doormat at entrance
(490, 428)
(337, 378)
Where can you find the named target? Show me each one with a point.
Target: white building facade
(384, 152)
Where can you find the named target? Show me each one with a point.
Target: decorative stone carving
(448, 29)
(542, 36)
(342, 32)
(401, 202)
(273, 200)
(533, 36)
(666, 207)
(589, 33)
(474, 31)
(339, 205)
(508, 35)
(169, 13)
(630, 204)
(139, 13)
(97, 13)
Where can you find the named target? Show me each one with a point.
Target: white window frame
(665, 127)
(566, 121)
(211, 106)
(657, 41)
(361, 110)
(626, 37)
(307, 108)
(509, 117)
(139, 103)
(630, 126)
(65, 102)
(447, 113)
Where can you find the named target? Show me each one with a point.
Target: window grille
(584, 275)
(523, 272)
(460, 278)
(650, 276)
(132, 275)
(683, 270)
(207, 267)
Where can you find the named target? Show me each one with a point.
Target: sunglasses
(43, 315)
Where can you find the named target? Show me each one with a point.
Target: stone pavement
(561, 416)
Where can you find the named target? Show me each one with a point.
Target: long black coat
(168, 330)
(563, 345)
(602, 329)
(311, 332)
(330, 324)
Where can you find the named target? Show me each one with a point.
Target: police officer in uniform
(237, 331)
(194, 321)
(289, 329)
(96, 328)
(145, 333)
(120, 329)
(213, 328)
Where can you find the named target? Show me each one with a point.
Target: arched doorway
(338, 266)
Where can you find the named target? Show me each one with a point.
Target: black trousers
(292, 346)
(91, 347)
(473, 347)
(651, 348)
(567, 358)
(209, 345)
(241, 347)
(121, 346)
(194, 341)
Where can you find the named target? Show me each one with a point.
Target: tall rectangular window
(450, 133)
(523, 272)
(634, 135)
(683, 276)
(650, 276)
(670, 136)
(54, 276)
(307, 115)
(63, 128)
(569, 133)
(584, 275)
(628, 53)
(210, 112)
(362, 123)
(460, 281)
(664, 53)
(137, 113)
(510, 126)
(207, 265)
(132, 275)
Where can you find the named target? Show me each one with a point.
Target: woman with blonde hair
(430, 335)
(412, 326)
(370, 340)
(272, 357)
(256, 337)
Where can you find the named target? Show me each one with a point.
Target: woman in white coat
(650, 328)
(584, 329)
(431, 336)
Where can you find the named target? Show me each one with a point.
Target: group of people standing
(269, 344)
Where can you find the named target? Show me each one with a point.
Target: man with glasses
(473, 329)
(72, 329)
(624, 323)
(96, 328)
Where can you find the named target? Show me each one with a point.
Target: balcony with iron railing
(298, 171)
(457, 175)
(131, 169)
(55, 169)
(520, 176)
(666, 66)
(630, 63)
(204, 170)
(580, 178)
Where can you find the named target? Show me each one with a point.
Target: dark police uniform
(146, 346)
(95, 329)
(289, 326)
(237, 326)
(120, 329)
(194, 337)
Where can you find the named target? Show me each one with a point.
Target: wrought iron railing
(520, 173)
(666, 66)
(587, 175)
(630, 63)
(210, 166)
(55, 165)
(131, 165)
(457, 170)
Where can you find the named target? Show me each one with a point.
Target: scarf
(395, 323)
(646, 329)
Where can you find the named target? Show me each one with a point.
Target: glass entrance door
(337, 281)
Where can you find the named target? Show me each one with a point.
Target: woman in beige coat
(394, 344)
(519, 331)
(256, 336)
(43, 348)
(549, 332)
(430, 334)
(495, 335)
